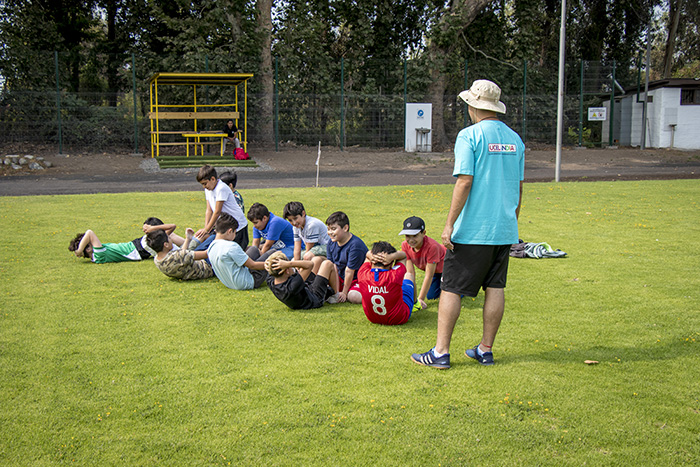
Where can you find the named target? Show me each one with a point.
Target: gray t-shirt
(314, 231)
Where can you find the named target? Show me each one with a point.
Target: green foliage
(117, 364)
(573, 136)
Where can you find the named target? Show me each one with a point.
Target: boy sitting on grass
(387, 289)
(347, 252)
(234, 268)
(231, 179)
(270, 233)
(179, 263)
(88, 245)
(295, 285)
(309, 232)
(426, 254)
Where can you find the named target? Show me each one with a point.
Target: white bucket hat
(484, 94)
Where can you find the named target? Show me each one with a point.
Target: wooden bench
(155, 135)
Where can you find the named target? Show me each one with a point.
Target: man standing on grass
(482, 222)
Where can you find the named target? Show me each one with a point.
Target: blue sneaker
(429, 359)
(485, 359)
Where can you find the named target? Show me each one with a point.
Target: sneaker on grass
(333, 299)
(485, 358)
(429, 359)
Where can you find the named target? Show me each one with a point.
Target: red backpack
(240, 155)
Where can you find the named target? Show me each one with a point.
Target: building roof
(690, 83)
(211, 79)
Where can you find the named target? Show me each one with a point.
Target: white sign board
(597, 114)
(419, 121)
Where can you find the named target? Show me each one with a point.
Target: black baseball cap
(412, 226)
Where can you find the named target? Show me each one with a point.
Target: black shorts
(321, 288)
(471, 267)
(242, 238)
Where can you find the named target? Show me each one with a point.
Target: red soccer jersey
(382, 294)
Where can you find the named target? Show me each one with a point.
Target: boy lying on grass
(387, 289)
(178, 263)
(88, 245)
(296, 285)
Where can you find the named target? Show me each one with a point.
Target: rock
(22, 161)
(7, 161)
(48, 164)
(35, 166)
(39, 159)
(14, 159)
(16, 167)
(29, 157)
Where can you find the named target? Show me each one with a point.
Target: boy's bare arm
(89, 238)
(297, 249)
(300, 264)
(427, 281)
(214, 215)
(169, 228)
(207, 218)
(349, 276)
(200, 255)
(266, 246)
(410, 269)
(257, 265)
(385, 258)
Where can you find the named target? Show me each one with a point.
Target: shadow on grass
(660, 351)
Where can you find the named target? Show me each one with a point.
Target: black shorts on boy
(298, 294)
(471, 267)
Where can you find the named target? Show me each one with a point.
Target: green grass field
(117, 364)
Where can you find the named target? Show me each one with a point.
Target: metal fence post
(524, 129)
(342, 101)
(136, 119)
(405, 100)
(277, 105)
(58, 105)
(580, 109)
(612, 104)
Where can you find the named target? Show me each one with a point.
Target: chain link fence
(342, 104)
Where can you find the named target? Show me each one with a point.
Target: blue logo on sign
(420, 112)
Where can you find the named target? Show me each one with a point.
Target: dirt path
(83, 172)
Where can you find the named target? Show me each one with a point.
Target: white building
(673, 115)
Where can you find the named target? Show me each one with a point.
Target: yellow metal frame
(194, 80)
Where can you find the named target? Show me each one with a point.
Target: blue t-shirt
(279, 231)
(227, 259)
(495, 156)
(350, 255)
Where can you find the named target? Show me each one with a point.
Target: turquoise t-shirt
(227, 259)
(495, 156)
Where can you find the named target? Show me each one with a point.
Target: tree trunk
(453, 21)
(673, 20)
(113, 62)
(266, 71)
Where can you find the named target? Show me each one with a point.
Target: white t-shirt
(314, 231)
(222, 192)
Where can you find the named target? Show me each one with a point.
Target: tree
(682, 51)
(449, 24)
